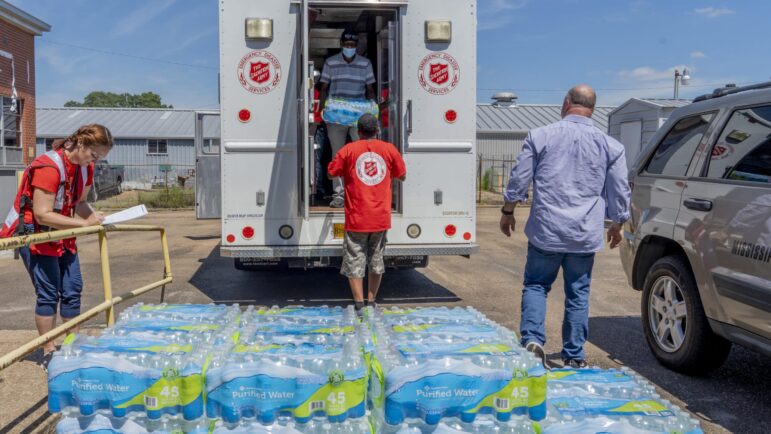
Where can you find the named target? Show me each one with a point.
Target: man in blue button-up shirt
(579, 179)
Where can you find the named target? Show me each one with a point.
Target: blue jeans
(540, 273)
(57, 282)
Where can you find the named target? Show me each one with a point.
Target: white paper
(125, 215)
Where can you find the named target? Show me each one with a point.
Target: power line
(605, 89)
(115, 53)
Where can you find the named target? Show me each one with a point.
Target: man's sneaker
(538, 352)
(574, 363)
(337, 202)
(373, 304)
(359, 308)
(45, 360)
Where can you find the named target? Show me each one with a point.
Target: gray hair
(582, 95)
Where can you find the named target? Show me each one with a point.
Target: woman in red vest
(52, 196)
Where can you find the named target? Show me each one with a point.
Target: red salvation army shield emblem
(439, 73)
(259, 72)
(370, 168)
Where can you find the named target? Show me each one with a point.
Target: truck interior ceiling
(378, 41)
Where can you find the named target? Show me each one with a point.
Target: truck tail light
(244, 115)
(247, 232)
(230, 238)
(467, 236)
(450, 230)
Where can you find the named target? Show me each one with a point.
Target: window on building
(10, 122)
(49, 144)
(743, 151)
(674, 153)
(211, 146)
(157, 147)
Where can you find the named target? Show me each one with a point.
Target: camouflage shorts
(361, 249)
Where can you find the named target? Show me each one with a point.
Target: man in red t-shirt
(367, 167)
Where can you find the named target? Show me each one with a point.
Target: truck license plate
(338, 230)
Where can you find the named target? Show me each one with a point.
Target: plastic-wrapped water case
(126, 374)
(302, 380)
(469, 366)
(343, 111)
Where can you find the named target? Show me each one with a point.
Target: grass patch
(174, 197)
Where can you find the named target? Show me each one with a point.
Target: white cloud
(698, 55)
(650, 82)
(647, 74)
(712, 12)
(494, 14)
(140, 17)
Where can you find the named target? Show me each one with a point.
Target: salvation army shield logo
(370, 168)
(439, 73)
(259, 72)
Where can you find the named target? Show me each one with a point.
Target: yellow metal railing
(109, 301)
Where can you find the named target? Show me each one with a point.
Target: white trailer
(424, 57)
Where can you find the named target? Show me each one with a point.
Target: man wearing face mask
(345, 75)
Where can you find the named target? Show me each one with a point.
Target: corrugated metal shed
(123, 123)
(525, 117)
(636, 121)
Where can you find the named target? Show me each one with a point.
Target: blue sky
(536, 48)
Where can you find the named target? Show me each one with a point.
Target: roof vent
(505, 99)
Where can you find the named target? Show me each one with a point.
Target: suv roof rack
(731, 89)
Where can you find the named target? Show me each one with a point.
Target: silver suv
(698, 244)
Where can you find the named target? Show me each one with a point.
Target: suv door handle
(698, 204)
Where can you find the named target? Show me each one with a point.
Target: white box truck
(423, 54)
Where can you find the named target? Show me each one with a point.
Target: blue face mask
(349, 52)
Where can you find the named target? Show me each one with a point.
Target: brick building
(17, 83)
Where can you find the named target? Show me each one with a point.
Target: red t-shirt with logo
(47, 178)
(368, 168)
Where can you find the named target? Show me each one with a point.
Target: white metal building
(152, 145)
(634, 122)
(501, 129)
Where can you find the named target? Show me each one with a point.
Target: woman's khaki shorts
(361, 249)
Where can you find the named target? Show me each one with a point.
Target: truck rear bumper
(322, 251)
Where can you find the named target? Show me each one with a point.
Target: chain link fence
(155, 185)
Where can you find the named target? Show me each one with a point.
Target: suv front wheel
(674, 322)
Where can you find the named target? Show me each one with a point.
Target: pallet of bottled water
(214, 368)
(440, 370)
(324, 370)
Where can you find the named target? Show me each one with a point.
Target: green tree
(124, 100)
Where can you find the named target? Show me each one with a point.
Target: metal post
(479, 178)
(677, 84)
(166, 262)
(106, 279)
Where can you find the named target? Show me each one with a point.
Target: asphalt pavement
(735, 398)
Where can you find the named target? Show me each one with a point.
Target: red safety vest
(63, 203)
